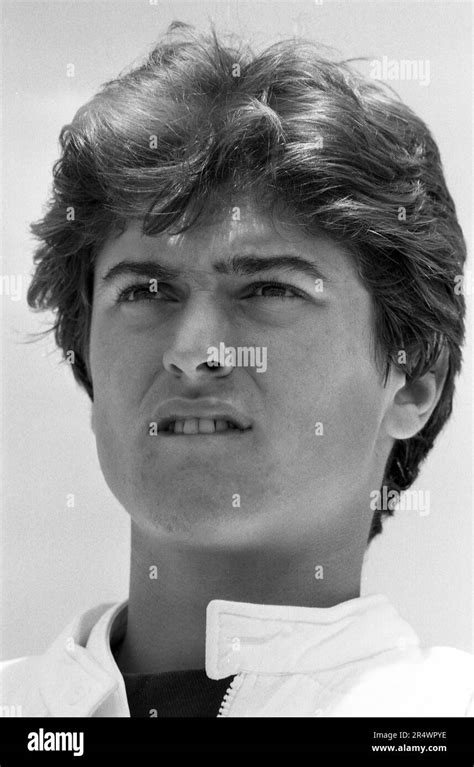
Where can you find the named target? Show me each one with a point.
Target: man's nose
(200, 326)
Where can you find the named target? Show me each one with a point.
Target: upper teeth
(199, 426)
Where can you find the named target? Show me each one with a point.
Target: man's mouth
(185, 417)
(189, 426)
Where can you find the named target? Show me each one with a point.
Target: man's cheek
(346, 409)
(120, 376)
(353, 422)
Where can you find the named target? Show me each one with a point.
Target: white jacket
(358, 658)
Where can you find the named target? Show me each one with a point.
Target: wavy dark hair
(341, 151)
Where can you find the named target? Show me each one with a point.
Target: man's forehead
(228, 225)
(227, 231)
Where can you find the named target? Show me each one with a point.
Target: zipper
(230, 695)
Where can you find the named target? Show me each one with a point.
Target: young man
(253, 262)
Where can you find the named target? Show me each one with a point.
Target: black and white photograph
(237, 441)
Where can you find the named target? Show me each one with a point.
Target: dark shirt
(175, 693)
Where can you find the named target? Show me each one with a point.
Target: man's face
(315, 447)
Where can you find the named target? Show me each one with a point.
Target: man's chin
(203, 519)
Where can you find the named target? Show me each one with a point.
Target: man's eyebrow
(239, 265)
(246, 265)
(151, 268)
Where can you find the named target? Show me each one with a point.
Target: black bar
(309, 736)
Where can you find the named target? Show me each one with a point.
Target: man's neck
(171, 586)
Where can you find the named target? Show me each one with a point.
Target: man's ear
(412, 402)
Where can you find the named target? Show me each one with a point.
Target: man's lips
(185, 417)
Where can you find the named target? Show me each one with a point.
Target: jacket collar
(277, 639)
(79, 675)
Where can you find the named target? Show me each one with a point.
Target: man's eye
(153, 291)
(146, 291)
(275, 290)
